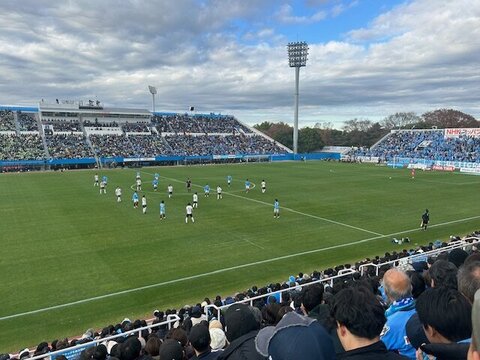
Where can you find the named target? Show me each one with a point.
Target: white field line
(219, 271)
(291, 210)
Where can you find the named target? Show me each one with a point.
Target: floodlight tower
(297, 57)
(153, 91)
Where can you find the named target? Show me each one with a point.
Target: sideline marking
(219, 271)
(291, 210)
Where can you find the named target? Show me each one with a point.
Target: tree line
(364, 132)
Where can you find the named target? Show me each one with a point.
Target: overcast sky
(368, 58)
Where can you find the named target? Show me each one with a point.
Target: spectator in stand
(360, 318)
(200, 340)
(446, 318)
(171, 349)
(468, 279)
(474, 351)
(443, 273)
(398, 291)
(295, 337)
(241, 330)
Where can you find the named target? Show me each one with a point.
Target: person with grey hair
(468, 279)
(474, 350)
(398, 290)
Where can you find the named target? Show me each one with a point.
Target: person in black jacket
(360, 319)
(241, 330)
(446, 318)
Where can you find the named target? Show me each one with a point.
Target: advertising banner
(455, 133)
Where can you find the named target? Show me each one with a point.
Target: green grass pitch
(74, 259)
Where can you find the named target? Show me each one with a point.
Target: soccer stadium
(133, 233)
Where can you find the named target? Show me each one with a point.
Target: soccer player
(135, 200)
(425, 219)
(189, 184)
(276, 209)
(264, 186)
(219, 193)
(413, 173)
(105, 179)
(144, 204)
(170, 190)
(103, 187)
(155, 184)
(156, 176)
(138, 175)
(189, 210)
(229, 180)
(247, 186)
(118, 193)
(206, 190)
(162, 210)
(139, 185)
(95, 180)
(195, 200)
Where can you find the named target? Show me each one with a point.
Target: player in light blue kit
(135, 200)
(247, 185)
(206, 190)
(162, 210)
(229, 180)
(276, 209)
(155, 184)
(156, 176)
(105, 179)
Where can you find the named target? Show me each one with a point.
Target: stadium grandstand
(77, 133)
(443, 275)
(429, 147)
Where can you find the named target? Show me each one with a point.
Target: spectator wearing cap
(360, 318)
(241, 329)
(474, 350)
(446, 318)
(295, 337)
(468, 279)
(398, 291)
(200, 340)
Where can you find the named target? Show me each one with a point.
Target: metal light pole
(297, 57)
(153, 91)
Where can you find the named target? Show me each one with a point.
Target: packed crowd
(27, 122)
(7, 121)
(112, 145)
(66, 126)
(429, 145)
(21, 147)
(68, 146)
(221, 145)
(98, 124)
(136, 128)
(149, 145)
(185, 124)
(420, 310)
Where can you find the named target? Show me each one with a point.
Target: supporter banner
(443, 168)
(418, 166)
(138, 159)
(395, 165)
(221, 157)
(474, 171)
(367, 159)
(73, 354)
(454, 133)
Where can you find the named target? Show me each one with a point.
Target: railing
(422, 256)
(462, 244)
(74, 351)
(251, 300)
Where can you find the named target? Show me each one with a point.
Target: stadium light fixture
(153, 91)
(297, 58)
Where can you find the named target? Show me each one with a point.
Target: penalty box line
(285, 208)
(219, 271)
